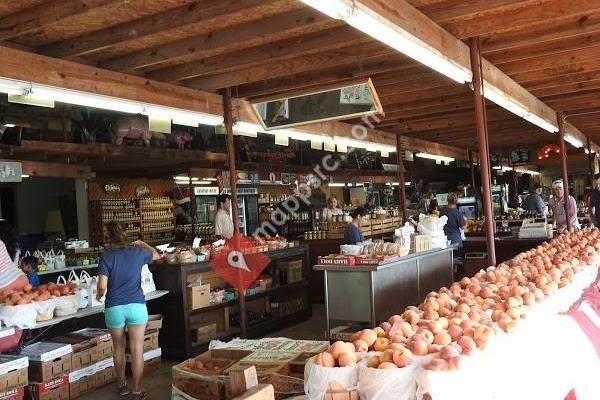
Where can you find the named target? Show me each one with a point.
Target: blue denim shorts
(117, 317)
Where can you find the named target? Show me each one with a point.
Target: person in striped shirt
(11, 277)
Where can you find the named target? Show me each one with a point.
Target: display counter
(506, 248)
(280, 301)
(323, 247)
(372, 293)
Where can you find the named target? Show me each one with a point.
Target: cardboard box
(154, 322)
(48, 360)
(13, 394)
(82, 381)
(13, 372)
(105, 372)
(150, 341)
(85, 350)
(102, 339)
(54, 389)
(199, 296)
(205, 333)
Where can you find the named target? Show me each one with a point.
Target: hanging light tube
(363, 144)
(367, 21)
(51, 93)
(498, 97)
(434, 157)
(573, 141)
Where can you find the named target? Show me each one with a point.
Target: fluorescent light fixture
(210, 179)
(586, 150)
(367, 21)
(573, 141)
(24, 176)
(500, 98)
(200, 183)
(336, 184)
(181, 177)
(434, 157)
(502, 168)
(247, 129)
(9, 125)
(530, 172)
(51, 93)
(398, 183)
(298, 135)
(363, 144)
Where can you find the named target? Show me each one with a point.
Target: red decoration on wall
(547, 150)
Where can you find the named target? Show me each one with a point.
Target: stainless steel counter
(373, 293)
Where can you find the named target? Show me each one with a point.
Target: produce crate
(55, 389)
(154, 322)
(48, 360)
(105, 372)
(207, 385)
(204, 333)
(336, 260)
(198, 296)
(13, 372)
(345, 332)
(102, 339)
(82, 381)
(85, 350)
(13, 394)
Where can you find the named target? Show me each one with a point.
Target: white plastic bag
(66, 305)
(317, 379)
(49, 260)
(384, 384)
(45, 310)
(22, 316)
(59, 260)
(147, 280)
(89, 287)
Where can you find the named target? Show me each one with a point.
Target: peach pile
(339, 354)
(453, 321)
(29, 294)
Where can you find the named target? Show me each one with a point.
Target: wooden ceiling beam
(556, 72)
(518, 16)
(566, 58)
(554, 81)
(235, 37)
(455, 10)
(542, 32)
(337, 58)
(70, 75)
(38, 17)
(56, 170)
(280, 51)
(197, 12)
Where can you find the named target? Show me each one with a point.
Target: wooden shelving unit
(180, 321)
(149, 219)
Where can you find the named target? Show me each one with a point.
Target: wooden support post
(563, 162)
(228, 114)
(591, 157)
(401, 180)
(484, 155)
(242, 379)
(192, 204)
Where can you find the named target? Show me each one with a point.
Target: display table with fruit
(379, 290)
(513, 331)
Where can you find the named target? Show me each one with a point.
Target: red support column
(563, 162)
(591, 157)
(400, 175)
(228, 114)
(482, 141)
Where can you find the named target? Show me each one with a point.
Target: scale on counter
(533, 228)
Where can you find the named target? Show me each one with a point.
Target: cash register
(533, 228)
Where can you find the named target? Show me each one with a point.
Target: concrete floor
(158, 383)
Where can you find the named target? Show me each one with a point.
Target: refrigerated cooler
(468, 206)
(206, 207)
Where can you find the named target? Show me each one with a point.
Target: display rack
(286, 302)
(150, 219)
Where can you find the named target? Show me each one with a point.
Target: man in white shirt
(223, 222)
(557, 204)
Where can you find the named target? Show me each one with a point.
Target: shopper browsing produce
(353, 234)
(29, 265)
(557, 204)
(120, 279)
(595, 200)
(456, 221)
(331, 209)
(533, 202)
(223, 222)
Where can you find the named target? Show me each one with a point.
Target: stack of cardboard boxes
(49, 368)
(13, 377)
